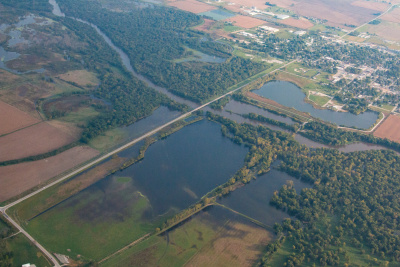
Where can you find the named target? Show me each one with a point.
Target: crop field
(386, 30)
(97, 226)
(18, 178)
(34, 140)
(217, 14)
(260, 4)
(24, 251)
(337, 13)
(215, 237)
(23, 93)
(389, 129)
(80, 77)
(392, 16)
(378, 6)
(12, 119)
(301, 23)
(206, 25)
(245, 21)
(192, 6)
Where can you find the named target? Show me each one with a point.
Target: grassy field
(108, 139)
(304, 83)
(211, 238)
(81, 116)
(319, 100)
(231, 28)
(387, 107)
(25, 252)
(301, 70)
(95, 227)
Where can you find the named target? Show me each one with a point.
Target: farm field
(390, 129)
(337, 13)
(392, 16)
(96, 226)
(373, 5)
(34, 140)
(245, 21)
(12, 119)
(18, 178)
(260, 4)
(217, 14)
(214, 237)
(386, 30)
(301, 23)
(192, 6)
(206, 25)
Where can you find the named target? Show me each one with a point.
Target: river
(233, 108)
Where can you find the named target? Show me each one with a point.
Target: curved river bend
(364, 120)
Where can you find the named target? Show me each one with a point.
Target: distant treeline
(331, 135)
(153, 37)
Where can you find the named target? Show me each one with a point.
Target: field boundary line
(125, 248)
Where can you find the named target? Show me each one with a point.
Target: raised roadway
(94, 162)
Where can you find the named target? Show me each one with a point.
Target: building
(268, 29)
(300, 33)
(279, 16)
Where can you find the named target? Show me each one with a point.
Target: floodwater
(290, 95)
(179, 170)
(175, 173)
(253, 199)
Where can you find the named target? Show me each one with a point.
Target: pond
(290, 95)
(174, 174)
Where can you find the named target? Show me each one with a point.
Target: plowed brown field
(299, 23)
(15, 179)
(12, 119)
(33, 140)
(192, 6)
(245, 21)
(393, 16)
(389, 129)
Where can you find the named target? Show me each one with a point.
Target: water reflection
(289, 95)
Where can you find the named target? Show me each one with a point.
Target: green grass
(284, 34)
(83, 115)
(387, 107)
(108, 139)
(319, 100)
(196, 235)
(25, 252)
(87, 229)
(123, 179)
(3, 225)
(231, 28)
(184, 242)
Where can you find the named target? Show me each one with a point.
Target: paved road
(387, 11)
(148, 134)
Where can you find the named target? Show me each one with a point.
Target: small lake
(253, 199)
(175, 173)
(290, 95)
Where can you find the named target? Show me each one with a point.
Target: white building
(279, 16)
(268, 29)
